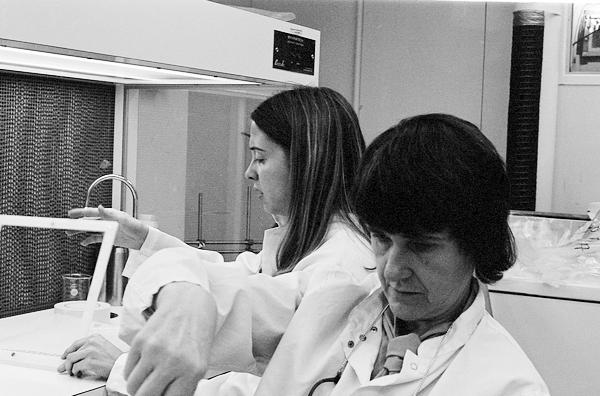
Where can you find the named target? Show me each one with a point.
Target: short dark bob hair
(439, 173)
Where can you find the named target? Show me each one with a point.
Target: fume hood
(178, 42)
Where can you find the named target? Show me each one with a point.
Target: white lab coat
(246, 262)
(476, 357)
(320, 311)
(342, 250)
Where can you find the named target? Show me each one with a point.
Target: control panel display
(294, 53)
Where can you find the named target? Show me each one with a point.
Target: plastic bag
(556, 251)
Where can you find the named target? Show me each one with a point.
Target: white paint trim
(118, 143)
(360, 10)
(109, 231)
(554, 20)
(238, 147)
(130, 140)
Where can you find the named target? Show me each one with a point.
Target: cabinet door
(559, 336)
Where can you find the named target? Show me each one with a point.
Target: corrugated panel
(523, 114)
(54, 134)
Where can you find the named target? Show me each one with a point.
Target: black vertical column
(524, 106)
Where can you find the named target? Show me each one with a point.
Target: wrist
(177, 293)
(142, 234)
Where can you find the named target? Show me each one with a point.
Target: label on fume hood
(293, 53)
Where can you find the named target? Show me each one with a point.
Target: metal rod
(200, 215)
(226, 242)
(248, 210)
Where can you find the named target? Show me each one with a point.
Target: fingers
(70, 360)
(74, 346)
(132, 360)
(103, 213)
(73, 232)
(69, 357)
(139, 374)
(78, 213)
(93, 238)
(155, 382)
(83, 368)
(61, 368)
(82, 213)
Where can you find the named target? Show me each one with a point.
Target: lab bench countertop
(585, 289)
(30, 348)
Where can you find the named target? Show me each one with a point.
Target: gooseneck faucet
(115, 295)
(113, 176)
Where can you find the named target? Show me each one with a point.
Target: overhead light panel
(120, 71)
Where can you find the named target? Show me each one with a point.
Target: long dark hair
(321, 135)
(435, 173)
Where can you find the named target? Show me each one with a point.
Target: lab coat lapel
(268, 255)
(361, 352)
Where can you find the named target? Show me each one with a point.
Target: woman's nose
(397, 265)
(250, 173)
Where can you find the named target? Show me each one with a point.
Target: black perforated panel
(523, 114)
(54, 135)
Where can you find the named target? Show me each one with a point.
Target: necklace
(361, 338)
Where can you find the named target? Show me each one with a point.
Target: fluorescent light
(29, 61)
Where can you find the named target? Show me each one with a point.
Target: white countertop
(577, 288)
(30, 349)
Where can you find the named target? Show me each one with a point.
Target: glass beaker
(75, 286)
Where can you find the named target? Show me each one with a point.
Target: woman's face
(426, 279)
(269, 169)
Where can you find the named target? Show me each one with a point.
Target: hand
(92, 356)
(132, 232)
(169, 356)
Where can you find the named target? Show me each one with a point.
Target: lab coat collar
(432, 357)
(272, 239)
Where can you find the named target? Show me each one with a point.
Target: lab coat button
(414, 366)
(350, 344)
(374, 329)
(362, 337)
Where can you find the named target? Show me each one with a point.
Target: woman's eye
(420, 247)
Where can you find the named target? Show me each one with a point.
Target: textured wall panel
(54, 136)
(523, 108)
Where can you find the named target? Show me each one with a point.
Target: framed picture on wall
(585, 38)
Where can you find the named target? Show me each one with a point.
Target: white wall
(569, 134)
(496, 73)
(559, 336)
(417, 56)
(217, 156)
(577, 150)
(420, 57)
(160, 179)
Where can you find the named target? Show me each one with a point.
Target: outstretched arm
(132, 232)
(240, 334)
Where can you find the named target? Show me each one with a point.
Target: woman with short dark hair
(447, 176)
(434, 194)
